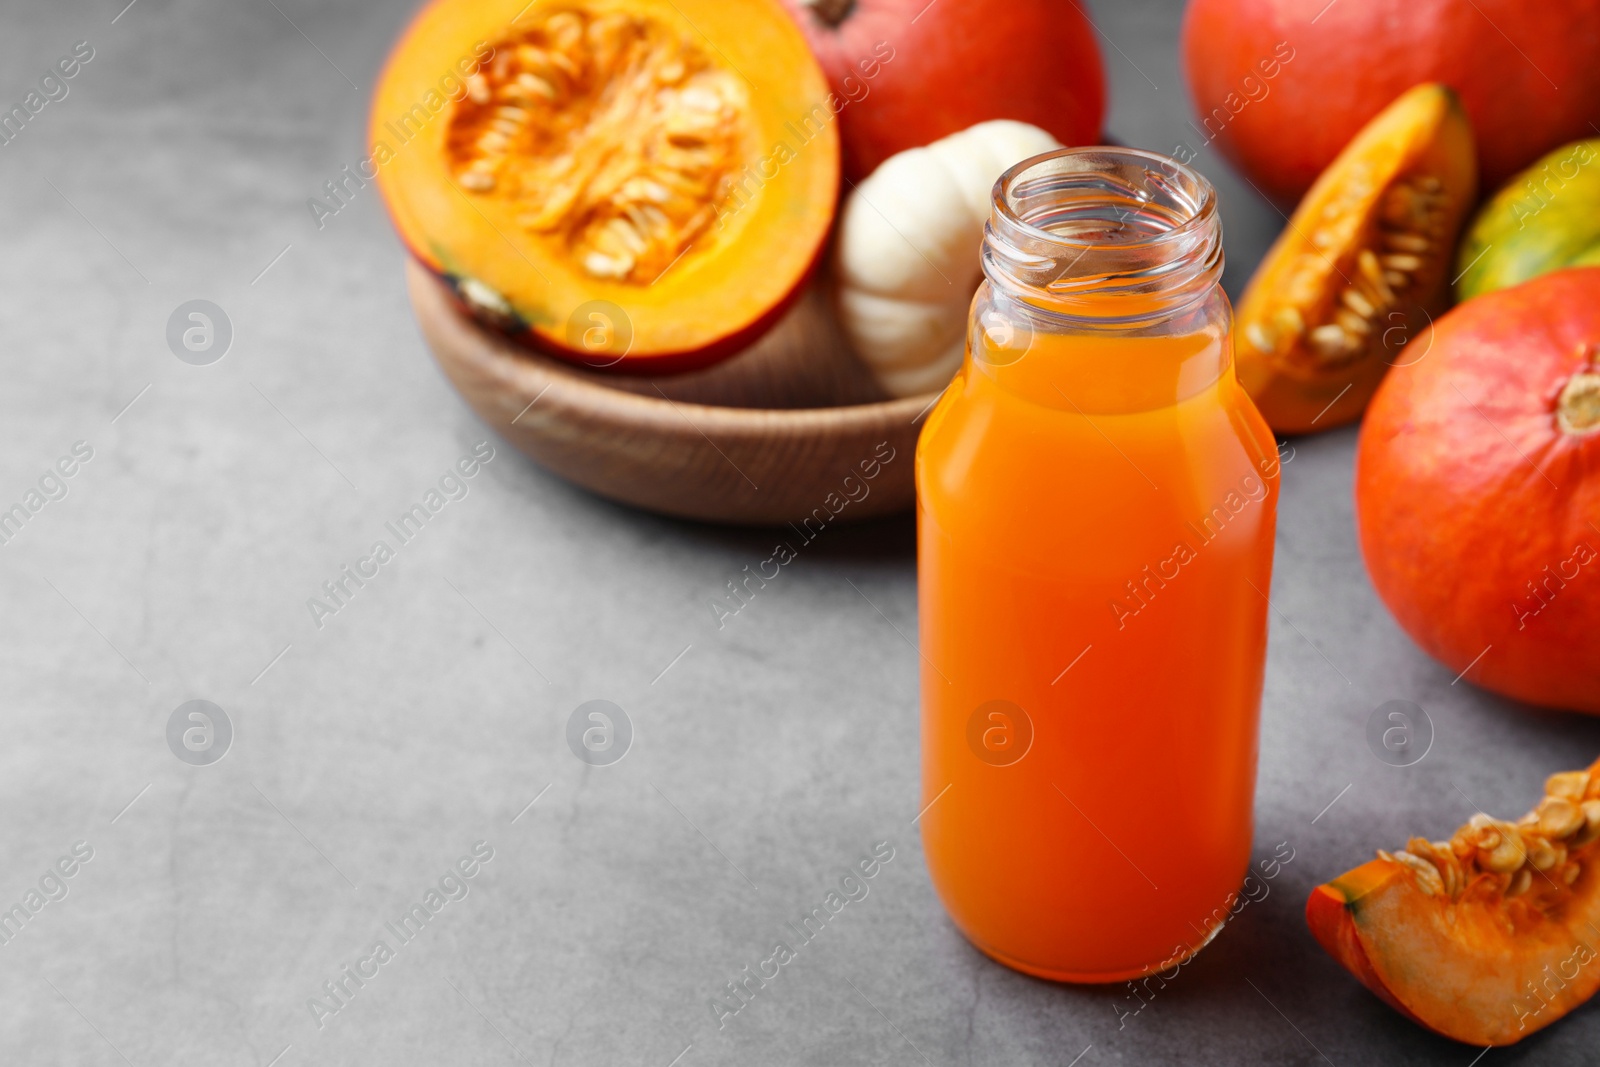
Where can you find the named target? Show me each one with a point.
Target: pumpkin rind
(767, 210)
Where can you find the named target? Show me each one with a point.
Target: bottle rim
(1122, 238)
(1201, 209)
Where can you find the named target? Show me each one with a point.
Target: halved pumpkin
(1484, 938)
(642, 184)
(1361, 268)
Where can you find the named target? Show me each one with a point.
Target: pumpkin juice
(1096, 506)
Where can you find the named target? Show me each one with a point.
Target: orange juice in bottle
(1096, 499)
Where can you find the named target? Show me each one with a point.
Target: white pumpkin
(907, 262)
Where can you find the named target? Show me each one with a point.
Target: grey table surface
(371, 754)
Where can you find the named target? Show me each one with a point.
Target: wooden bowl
(766, 437)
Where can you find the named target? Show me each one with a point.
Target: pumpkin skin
(914, 72)
(1545, 218)
(1478, 510)
(1483, 952)
(740, 266)
(1356, 57)
(1362, 267)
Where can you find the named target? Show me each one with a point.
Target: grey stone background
(370, 755)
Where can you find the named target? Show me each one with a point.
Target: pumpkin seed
(1402, 262)
(1332, 342)
(537, 85)
(1559, 817)
(1541, 854)
(1428, 879)
(1371, 274)
(1406, 242)
(1363, 307)
(1591, 824)
(603, 266)
(699, 98)
(1500, 848)
(1289, 322)
(1350, 321)
(1258, 335)
(1568, 784)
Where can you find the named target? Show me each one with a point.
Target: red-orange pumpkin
(1478, 490)
(907, 72)
(1282, 85)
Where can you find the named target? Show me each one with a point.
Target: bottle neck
(1111, 239)
(1102, 294)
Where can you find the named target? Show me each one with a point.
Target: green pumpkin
(1545, 218)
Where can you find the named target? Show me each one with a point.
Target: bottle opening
(1075, 231)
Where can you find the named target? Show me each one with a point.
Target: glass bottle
(1096, 501)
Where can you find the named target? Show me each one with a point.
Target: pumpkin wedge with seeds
(1486, 937)
(1361, 268)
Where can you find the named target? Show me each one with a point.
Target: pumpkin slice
(1484, 938)
(1361, 268)
(642, 184)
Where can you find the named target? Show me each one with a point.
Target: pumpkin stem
(1578, 409)
(832, 12)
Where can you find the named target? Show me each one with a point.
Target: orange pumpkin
(1477, 490)
(1282, 85)
(642, 184)
(906, 73)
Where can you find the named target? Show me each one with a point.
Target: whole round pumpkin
(907, 72)
(1282, 85)
(1477, 490)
